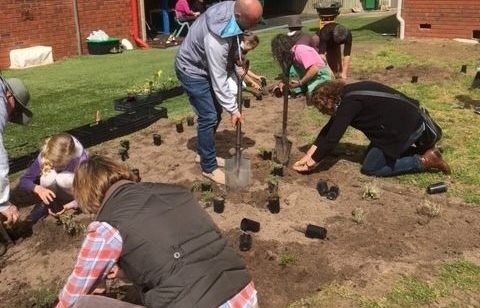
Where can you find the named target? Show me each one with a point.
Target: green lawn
(68, 93)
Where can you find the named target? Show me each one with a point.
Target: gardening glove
(45, 194)
(236, 117)
(11, 213)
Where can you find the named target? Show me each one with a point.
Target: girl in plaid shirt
(139, 216)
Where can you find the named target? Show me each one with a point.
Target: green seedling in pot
(272, 183)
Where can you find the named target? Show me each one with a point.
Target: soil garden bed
(375, 231)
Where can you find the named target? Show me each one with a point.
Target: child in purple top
(53, 169)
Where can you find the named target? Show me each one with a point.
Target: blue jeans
(209, 112)
(376, 163)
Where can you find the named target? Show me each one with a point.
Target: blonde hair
(56, 153)
(93, 178)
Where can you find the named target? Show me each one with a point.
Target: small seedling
(207, 197)
(206, 186)
(277, 169)
(190, 121)
(125, 143)
(358, 215)
(123, 153)
(429, 209)
(264, 153)
(70, 225)
(286, 260)
(273, 184)
(371, 191)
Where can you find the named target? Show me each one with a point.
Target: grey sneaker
(220, 161)
(217, 175)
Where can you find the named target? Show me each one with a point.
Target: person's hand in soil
(67, 206)
(116, 272)
(305, 164)
(11, 214)
(295, 83)
(236, 117)
(278, 87)
(45, 194)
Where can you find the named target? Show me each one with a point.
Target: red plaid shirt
(99, 253)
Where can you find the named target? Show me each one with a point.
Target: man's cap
(21, 114)
(295, 22)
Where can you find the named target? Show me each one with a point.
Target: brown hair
(56, 152)
(93, 178)
(327, 95)
(251, 39)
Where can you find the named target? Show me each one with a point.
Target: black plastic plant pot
(245, 242)
(322, 188)
(125, 144)
(274, 204)
(333, 192)
(190, 121)
(464, 69)
(278, 92)
(249, 225)
(218, 205)
(179, 127)
(437, 188)
(267, 155)
(263, 82)
(414, 79)
(206, 186)
(314, 231)
(157, 139)
(246, 102)
(136, 173)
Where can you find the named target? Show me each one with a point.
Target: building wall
(27, 23)
(446, 18)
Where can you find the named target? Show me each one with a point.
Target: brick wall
(27, 23)
(447, 18)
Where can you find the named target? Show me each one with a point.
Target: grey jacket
(172, 250)
(206, 54)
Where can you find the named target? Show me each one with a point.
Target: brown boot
(432, 159)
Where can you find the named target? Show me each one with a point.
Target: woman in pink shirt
(184, 13)
(305, 67)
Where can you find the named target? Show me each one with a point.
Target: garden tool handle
(285, 106)
(238, 141)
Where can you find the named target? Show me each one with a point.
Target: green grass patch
(456, 280)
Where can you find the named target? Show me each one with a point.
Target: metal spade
(238, 169)
(283, 146)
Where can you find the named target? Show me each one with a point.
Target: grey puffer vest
(172, 250)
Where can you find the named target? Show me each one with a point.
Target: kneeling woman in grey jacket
(155, 235)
